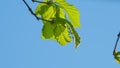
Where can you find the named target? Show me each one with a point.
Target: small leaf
(41, 9)
(48, 31)
(75, 34)
(47, 12)
(117, 57)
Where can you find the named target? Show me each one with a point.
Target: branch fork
(38, 18)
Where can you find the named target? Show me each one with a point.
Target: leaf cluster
(59, 19)
(64, 18)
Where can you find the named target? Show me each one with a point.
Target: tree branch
(116, 43)
(38, 18)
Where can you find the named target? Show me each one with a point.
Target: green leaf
(61, 17)
(50, 13)
(47, 12)
(57, 31)
(117, 57)
(75, 34)
(41, 9)
(48, 31)
(60, 13)
(72, 11)
(61, 32)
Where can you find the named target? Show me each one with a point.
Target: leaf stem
(38, 18)
(116, 43)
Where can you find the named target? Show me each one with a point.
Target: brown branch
(38, 18)
(116, 43)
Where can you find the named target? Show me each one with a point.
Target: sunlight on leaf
(72, 11)
(61, 32)
(61, 29)
(50, 13)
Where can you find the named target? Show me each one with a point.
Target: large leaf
(72, 11)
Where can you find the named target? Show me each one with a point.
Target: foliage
(64, 18)
(117, 56)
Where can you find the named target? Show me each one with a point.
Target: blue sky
(21, 45)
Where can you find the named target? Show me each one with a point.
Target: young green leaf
(61, 32)
(41, 9)
(50, 13)
(72, 11)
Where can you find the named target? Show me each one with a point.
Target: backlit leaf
(61, 32)
(72, 11)
(50, 13)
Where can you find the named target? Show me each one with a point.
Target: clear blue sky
(21, 45)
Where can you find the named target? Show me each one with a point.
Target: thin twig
(30, 10)
(38, 18)
(116, 43)
(39, 1)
